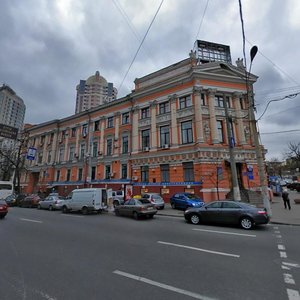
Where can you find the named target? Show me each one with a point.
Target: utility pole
(231, 143)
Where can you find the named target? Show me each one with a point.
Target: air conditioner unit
(146, 149)
(112, 175)
(99, 152)
(135, 178)
(166, 146)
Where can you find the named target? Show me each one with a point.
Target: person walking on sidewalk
(286, 199)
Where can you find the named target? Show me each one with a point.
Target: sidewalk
(279, 214)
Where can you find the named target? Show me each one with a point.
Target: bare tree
(293, 151)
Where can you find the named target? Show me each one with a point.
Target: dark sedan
(136, 208)
(228, 213)
(30, 201)
(3, 209)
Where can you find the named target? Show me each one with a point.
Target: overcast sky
(47, 46)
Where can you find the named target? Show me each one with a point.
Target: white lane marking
(225, 232)
(288, 278)
(275, 227)
(291, 264)
(162, 285)
(279, 236)
(281, 247)
(285, 268)
(199, 249)
(293, 294)
(276, 231)
(70, 215)
(29, 220)
(283, 254)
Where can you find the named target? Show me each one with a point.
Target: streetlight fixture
(258, 150)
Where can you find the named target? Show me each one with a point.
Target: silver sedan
(51, 202)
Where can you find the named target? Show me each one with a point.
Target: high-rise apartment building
(12, 110)
(93, 92)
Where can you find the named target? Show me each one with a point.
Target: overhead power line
(199, 28)
(277, 132)
(140, 45)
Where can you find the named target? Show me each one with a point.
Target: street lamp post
(253, 124)
(231, 142)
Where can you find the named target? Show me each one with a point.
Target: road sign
(8, 132)
(31, 153)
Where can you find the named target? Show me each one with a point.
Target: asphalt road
(53, 256)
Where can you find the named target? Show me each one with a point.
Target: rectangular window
(40, 157)
(61, 154)
(42, 141)
(145, 113)
(125, 118)
(165, 173)
(57, 175)
(73, 132)
(203, 102)
(96, 125)
(164, 136)
(185, 102)
(188, 171)
(79, 174)
(219, 101)
(95, 149)
(68, 175)
(145, 139)
(164, 107)
(125, 144)
(220, 131)
(186, 132)
(82, 151)
(124, 171)
(84, 130)
(93, 175)
(109, 144)
(107, 172)
(110, 122)
(145, 174)
(71, 153)
(49, 156)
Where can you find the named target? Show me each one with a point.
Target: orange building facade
(168, 135)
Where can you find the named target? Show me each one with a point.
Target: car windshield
(143, 201)
(156, 197)
(192, 196)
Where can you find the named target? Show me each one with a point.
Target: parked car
(30, 201)
(229, 213)
(86, 200)
(293, 185)
(155, 199)
(118, 198)
(11, 200)
(3, 209)
(52, 202)
(185, 200)
(136, 208)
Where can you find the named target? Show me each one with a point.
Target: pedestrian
(286, 199)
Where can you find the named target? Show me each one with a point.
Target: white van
(86, 200)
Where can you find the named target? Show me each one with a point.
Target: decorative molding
(185, 112)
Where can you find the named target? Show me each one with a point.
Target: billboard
(8, 132)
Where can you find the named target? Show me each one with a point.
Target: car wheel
(2, 217)
(135, 215)
(246, 223)
(173, 205)
(64, 210)
(50, 207)
(150, 216)
(84, 210)
(117, 213)
(195, 219)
